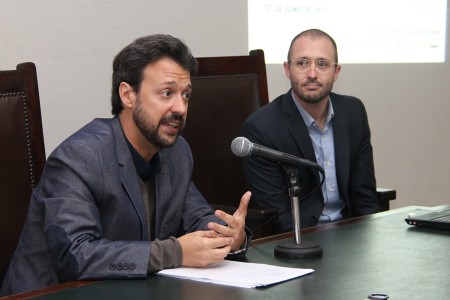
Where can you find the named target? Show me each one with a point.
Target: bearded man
(311, 122)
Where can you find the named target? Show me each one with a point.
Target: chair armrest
(384, 196)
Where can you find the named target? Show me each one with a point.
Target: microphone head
(241, 146)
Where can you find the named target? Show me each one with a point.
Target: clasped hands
(202, 248)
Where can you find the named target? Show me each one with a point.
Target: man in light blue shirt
(313, 123)
(322, 141)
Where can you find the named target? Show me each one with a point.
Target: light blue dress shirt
(323, 144)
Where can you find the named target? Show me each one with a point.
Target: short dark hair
(314, 33)
(129, 63)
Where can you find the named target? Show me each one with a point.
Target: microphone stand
(300, 249)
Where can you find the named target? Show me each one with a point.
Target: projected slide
(381, 31)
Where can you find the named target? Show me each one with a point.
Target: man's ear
(336, 72)
(287, 71)
(127, 95)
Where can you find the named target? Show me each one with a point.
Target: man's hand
(236, 223)
(202, 248)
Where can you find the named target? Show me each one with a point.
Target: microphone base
(306, 249)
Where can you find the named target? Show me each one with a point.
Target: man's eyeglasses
(304, 64)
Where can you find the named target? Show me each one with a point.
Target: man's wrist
(244, 247)
(241, 249)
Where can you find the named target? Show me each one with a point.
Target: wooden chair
(226, 91)
(22, 153)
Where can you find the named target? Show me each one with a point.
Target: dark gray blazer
(87, 217)
(280, 126)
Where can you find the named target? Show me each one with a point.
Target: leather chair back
(225, 92)
(22, 153)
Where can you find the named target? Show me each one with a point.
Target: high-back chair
(225, 92)
(22, 153)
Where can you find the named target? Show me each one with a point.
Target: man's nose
(180, 105)
(312, 72)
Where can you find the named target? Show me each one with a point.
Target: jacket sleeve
(76, 199)
(362, 185)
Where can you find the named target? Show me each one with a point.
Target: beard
(145, 125)
(317, 97)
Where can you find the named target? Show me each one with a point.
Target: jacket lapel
(129, 178)
(299, 131)
(163, 192)
(341, 147)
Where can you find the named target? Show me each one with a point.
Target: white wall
(73, 44)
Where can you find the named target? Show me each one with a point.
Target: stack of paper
(239, 274)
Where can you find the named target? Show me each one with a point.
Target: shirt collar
(144, 169)
(307, 117)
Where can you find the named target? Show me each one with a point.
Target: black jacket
(280, 126)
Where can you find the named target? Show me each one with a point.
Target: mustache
(314, 81)
(173, 118)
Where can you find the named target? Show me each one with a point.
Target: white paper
(240, 274)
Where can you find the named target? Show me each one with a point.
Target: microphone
(242, 147)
